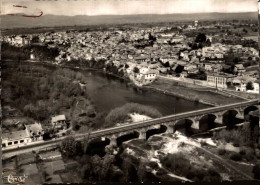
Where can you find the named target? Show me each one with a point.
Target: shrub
(153, 164)
(202, 175)
(70, 147)
(203, 143)
(256, 171)
(76, 127)
(212, 176)
(221, 151)
(182, 144)
(250, 157)
(239, 137)
(176, 162)
(236, 157)
(236, 144)
(242, 152)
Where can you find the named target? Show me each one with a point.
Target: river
(108, 92)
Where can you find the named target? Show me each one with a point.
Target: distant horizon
(127, 7)
(146, 14)
(154, 13)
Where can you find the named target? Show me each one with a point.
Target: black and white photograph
(129, 91)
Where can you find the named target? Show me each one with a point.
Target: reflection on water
(108, 92)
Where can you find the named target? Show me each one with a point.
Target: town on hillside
(210, 55)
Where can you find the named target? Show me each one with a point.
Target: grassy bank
(202, 95)
(121, 114)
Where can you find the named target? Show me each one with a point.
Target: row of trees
(23, 53)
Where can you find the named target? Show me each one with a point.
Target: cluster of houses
(169, 51)
(33, 132)
(18, 40)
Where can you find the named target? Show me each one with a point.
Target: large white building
(17, 138)
(218, 80)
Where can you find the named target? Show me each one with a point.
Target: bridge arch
(184, 126)
(154, 131)
(97, 146)
(126, 137)
(249, 109)
(229, 118)
(207, 122)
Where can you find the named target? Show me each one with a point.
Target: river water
(108, 92)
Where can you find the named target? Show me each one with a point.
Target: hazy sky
(105, 7)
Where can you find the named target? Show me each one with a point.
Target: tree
(249, 86)
(245, 30)
(151, 37)
(106, 165)
(136, 70)
(201, 37)
(69, 147)
(236, 60)
(179, 69)
(229, 84)
(85, 142)
(141, 169)
(166, 64)
(96, 163)
(256, 171)
(208, 43)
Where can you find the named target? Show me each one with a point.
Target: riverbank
(201, 95)
(197, 94)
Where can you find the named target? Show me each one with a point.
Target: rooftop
(35, 128)
(58, 118)
(21, 134)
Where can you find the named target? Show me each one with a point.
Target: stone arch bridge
(168, 124)
(171, 123)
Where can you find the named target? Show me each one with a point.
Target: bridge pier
(196, 125)
(219, 117)
(196, 122)
(170, 129)
(219, 120)
(142, 135)
(240, 116)
(113, 142)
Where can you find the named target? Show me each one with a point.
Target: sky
(122, 7)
